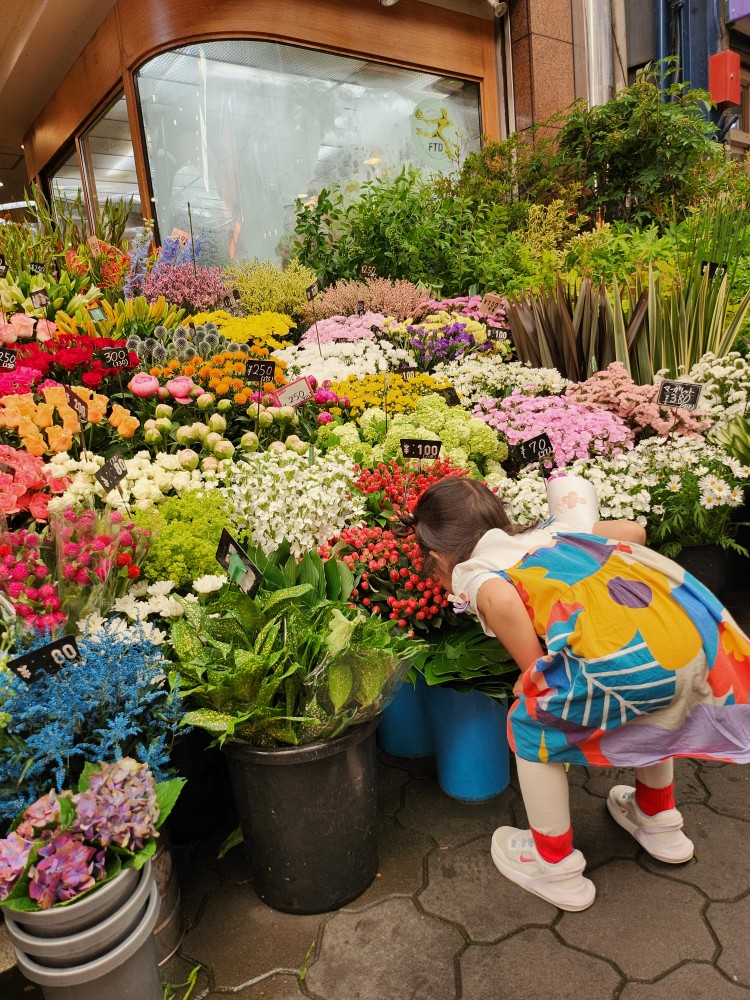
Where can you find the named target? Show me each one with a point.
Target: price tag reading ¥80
(260, 371)
(47, 659)
(420, 448)
(76, 404)
(534, 448)
(115, 357)
(312, 290)
(407, 373)
(368, 271)
(294, 394)
(7, 359)
(111, 473)
(684, 395)
(239, 566)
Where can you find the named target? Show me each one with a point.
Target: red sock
(653, 800)
(553, 849)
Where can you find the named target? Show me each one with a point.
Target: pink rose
(23, 324)
(45, 330)
(180, 388)
(8, 334)
(144, 385)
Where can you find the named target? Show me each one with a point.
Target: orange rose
(55, 394)
(26, 427)
(128, 427)
(59, 439)
(44, 414)
(34, 445)
(118, 415)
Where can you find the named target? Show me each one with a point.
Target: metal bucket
(170, 923)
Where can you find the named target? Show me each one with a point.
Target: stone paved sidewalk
(439, 922)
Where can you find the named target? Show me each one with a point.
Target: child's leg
(545, 795)
(654, 787)
(648, 813)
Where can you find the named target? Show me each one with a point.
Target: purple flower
(67, 868)
(14, 853)
(44, 812)
(119, 807)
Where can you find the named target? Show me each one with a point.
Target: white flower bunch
(726, 386)
(489, 375)
(336, 361)
(276, 497)
(146, 482)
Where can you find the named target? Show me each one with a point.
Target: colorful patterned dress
(643, 662)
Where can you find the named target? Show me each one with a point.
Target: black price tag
(115, 357)
(97, 315)
(3, 266)
(312, 290)
(450, 396)
(238, 565)
(684, 395)
(496, 333)
(490, 303)
(45, 660)
(368, 271)
(112, 473)
(39, 299)
(420, 448)
(534, 448)
(260, 371)
(77, 404)
(714, 268)
(36, 268)
(407, 373)
(8, 359)
(361, 307)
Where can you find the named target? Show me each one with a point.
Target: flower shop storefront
(224, 120)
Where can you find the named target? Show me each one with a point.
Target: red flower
(93, 379)
(133, 572)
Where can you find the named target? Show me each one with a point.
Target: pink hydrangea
(343, 328)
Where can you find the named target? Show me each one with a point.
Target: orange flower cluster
(224, 374)
(32, 420)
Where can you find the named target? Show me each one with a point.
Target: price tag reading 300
(420, 448)
(115, 357)
(294, 394)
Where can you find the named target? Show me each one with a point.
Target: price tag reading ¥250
(684, 395)
(534, 448)
(420, 448)
(112, 473)
(115, 357)
(260, 371)
(47, 659)
(312, 290)
(294, 394)
(368, 271)
(7, 359)
(76, 404)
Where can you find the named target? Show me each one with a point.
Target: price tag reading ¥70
(47, 659)
(260, 371)
(407, 373)
(312, 290)
(368, 271)
(111, 473)
(239, 566)
(294, 394)
(420, 448)
(7, 359)
(534, 448)
(76, 404)
(115, 357)
(679, 394)
(490, 303)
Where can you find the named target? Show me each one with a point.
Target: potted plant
(291, 684)
(77, 888)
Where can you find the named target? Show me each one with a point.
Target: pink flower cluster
(27, 581)
(399, 299)
(575, 430)
(19, 382)
(343, 328)
(24, 326)
(470, 306)
(183, 285)
(614, 390)
(26, 483)
(180, 389)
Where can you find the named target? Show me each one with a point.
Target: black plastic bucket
(309, 816)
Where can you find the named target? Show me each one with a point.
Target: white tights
(545, 792)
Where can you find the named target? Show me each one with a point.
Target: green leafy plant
(468, 660)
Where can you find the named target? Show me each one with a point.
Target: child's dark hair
(452, 515)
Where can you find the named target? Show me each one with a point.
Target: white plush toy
(572, 500)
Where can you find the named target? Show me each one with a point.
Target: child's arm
(505, 614)
(623, 531)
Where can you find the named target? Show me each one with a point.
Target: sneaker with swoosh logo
(563, 884)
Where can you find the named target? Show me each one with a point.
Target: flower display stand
(471, 744)
(405, 729)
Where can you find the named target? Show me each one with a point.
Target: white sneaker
(515, 855)
(661, 835)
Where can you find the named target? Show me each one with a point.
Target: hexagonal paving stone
(465, 887)
(389, 951)
(627, 922)
(690, 982)
(729, 790)
(401, 856)
(688, 787)
(721, 867)
(240, 938)
(730, 922)
(429, 810)
(534, 965)
(271, 988)
(196, 882)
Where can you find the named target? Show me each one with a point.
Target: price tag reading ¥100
(294, 394)
(490, 303)
(76, 404)
(112, 473)
(684, 395)
(115, 357)
(407, 373)
(312, 290)
(420, 448)
(7, 359)
(260, 371)
(534, 448)
(47, 659)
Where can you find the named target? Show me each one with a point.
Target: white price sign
(294, 394)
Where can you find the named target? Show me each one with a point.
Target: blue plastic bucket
(405, 728)
(471, 744)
